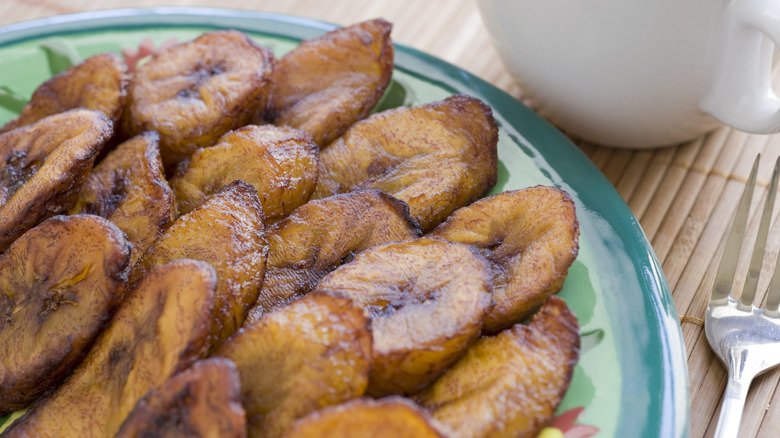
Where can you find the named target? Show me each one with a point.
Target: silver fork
(745, 336)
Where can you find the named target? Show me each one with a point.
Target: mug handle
(742, 95)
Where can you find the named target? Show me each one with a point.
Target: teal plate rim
(654, 399)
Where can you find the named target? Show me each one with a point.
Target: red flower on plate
(563, 426)
(146, 48)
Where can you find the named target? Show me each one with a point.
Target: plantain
(227, 231)
(202, 401)
(390, 313)
(128, 188)
(530, 236)
(42, 166)
(389, 417)
(194, 92)
(426, 299)
(327, 83)
(59, 285)
(281, 163)
(436, 157)
(97, 83)
(312, 353)
(321, 235)
(160, 329)
(511, 384)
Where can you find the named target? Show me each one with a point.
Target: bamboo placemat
(683, 196)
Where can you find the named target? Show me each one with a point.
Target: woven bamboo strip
(673, 176)
(638, 177)
(616, 165)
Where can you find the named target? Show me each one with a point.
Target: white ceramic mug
(642, 73)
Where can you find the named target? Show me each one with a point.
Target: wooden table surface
(683, 196)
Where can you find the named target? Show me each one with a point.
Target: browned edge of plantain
(60, 283)
(327, 83)
(97, 83)
(531, 238)
(280, 162)
(42, 166)
(427, 299)
(436, 157)
(509, 384)
(195, 91)
(160, 329)
(323, 234)
(201, 401)
(128, 187)
(311, 353)
(228, 232)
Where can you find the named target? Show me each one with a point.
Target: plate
(632, 377)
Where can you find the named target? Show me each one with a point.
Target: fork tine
(773, 296)
(751, 281)
(728, 262)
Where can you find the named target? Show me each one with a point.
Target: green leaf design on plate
(581, 391)
(61, 54)
(397, 94)
(590, 339)
(11, 100)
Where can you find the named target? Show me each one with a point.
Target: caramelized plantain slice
(426, 299)
(509, 385)
(312, 353)
(281, 163)
(321, 235)
(43, 164)
(97, 83)
(227, 231)
(530, 236)
(128, 188)
(160, 329)
(328, 83)
(436, 157)
(201, 401)
(389, 417)
(59, 285)
(194, 92)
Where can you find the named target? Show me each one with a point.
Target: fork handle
(733, 405)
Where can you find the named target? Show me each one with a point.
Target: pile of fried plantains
(223, 243)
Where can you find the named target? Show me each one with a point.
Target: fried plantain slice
(97, 83)
(511, 384)
(43, 164)
(194, 92)
(281, 163)
(530, 236)
(389, 417)
(328, 83)
(426, 299)
(312, 353)
(59, 285)
(201, 401)
(128, 188)
(227, 231)
(160, 329)
(436, 157)
(323, 234)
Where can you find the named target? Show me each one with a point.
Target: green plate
(632, 377)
